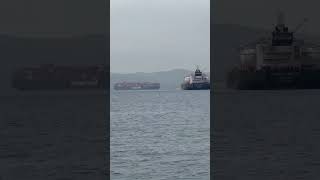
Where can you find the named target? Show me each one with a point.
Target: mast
(280, 18)
(280, 26)
(281, 35)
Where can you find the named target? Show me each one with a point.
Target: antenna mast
(280, 19)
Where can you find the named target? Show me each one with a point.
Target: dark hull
(56, 85)
(52, 77)
(147, 88)
(195, 86)
(264, 80)
(136, 86)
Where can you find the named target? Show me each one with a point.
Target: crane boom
(300, 25)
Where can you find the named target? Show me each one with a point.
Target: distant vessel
(48, 76)
(279, 62)
(136, 86)
(196, 81)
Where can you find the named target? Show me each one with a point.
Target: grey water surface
(160, 135)
(266, 135)
(53, 135)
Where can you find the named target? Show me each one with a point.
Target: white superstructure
(282, 50)
(197, 77)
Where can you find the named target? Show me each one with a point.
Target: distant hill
(168, 79)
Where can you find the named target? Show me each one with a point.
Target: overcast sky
(151, 35)
(262, 13)
(53, 16)
(159, 35)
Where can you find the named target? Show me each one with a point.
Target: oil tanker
(278, 62)
(49, 76)
(196, 81)
(136, 86)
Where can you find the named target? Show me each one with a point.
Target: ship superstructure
(279, 62)
(196, 81)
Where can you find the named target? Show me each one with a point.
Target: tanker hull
(195, 86)
(268, 80)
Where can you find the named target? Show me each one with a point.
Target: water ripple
(160, 135)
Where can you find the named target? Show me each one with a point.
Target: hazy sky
(159, 35)
(262, 13)
(53, 16)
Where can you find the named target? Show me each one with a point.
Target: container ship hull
(137, 86)
(60, 78)
(263, 80)
(56, 85)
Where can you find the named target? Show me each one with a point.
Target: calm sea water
(160, 135)
(53, 135)
(266, 134)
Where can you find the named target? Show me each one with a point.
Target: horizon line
(154, 71)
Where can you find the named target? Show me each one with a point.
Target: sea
(266, 135)
(160, 135)
(53, 135)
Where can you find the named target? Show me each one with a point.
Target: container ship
(48, 76)
(279, 62)
(136, 86)
(196, 81)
